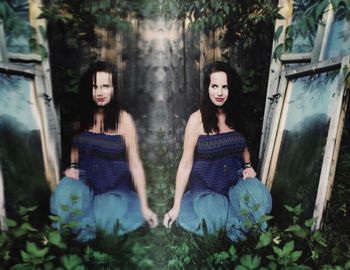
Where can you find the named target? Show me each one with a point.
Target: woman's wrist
(247, 165)
(74, 165)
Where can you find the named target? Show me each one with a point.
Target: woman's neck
(98, 126)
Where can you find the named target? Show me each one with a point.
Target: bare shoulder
(194, 124)
(126, 126)
(195, 119)
(125, 118)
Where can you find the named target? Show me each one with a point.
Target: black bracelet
(74, 165)
(247, 165)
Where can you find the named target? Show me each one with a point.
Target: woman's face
(218, 88)
(102, 88)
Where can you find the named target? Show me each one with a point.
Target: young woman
(99, 188)
(216, 162)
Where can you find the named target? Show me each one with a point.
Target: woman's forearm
(138, 176)
(182, 176)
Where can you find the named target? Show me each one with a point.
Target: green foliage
(16, 24)
(241, 20)
(307, 17)
(295, 246)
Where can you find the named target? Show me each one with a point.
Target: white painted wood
(2, 203)
(24, 57)
(328, 17)
(296, 58)
(286, 9)
(268, 152)
(3, 50)
(331, 148)
(44, 90)
(278, 133)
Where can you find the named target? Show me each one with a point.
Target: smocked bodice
(103, 162)
(217, 162)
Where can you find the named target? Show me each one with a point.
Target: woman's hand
(249, 173)
(170, 217)
(72, 173)
(150, 217)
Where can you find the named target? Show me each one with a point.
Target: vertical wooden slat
(332, 146)
(3, 50)
(322, 35)
(44, 94)
(2, 203)
(286, 9)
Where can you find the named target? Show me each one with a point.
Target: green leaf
(288, 247)
(288, 44)
(297, 210)
(43, 33)
(233, 253)
(248, 224)
(240, 267)
(346, 72)
(278, 52)
(244, 212)
(42, 51)
(10, 222)
(250, 262)
(264, 240)
(278, 251)
(246, 197)
(226, 8)
(308, 223)
(272, 265)
(335, 4)
(24, 229)
(56, 239)
(70, 262)
(35, 251)
(320, 8)
(296, 255)
(279, 16)
(25, 256)
(264, 218)
(256, 207)
(278, 33)
(319, 238)
(55, 218)
(25, 210)
(347, 265)
(297, 230)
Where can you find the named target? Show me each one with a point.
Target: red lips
(219, 99)
(100, 99)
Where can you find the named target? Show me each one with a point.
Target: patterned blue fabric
(102, 162)
(217, 193)
(104, 197)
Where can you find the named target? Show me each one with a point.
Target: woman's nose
(98, 90)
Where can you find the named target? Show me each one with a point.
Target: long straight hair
(88, 106)
(231, 107)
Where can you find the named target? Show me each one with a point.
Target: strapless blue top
(218, 161)
(103, 162)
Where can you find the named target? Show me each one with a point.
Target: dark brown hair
(88, 106)
(231, 106)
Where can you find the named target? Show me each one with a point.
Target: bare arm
(136, 168)
(248, 172)
(184, 169)
(73, 172)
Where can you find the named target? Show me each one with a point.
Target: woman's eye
(214, 86)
